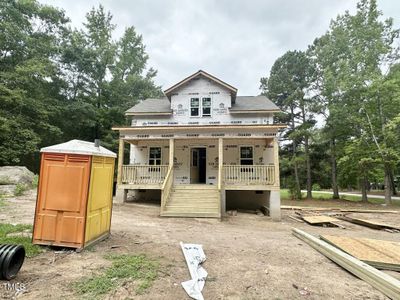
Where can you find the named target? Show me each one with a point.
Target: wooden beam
(171, 152)
(120, 160)
(383, 282)
(276, 161)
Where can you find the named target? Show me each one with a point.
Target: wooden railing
(249, 175)
(143, 174)
(167, 187)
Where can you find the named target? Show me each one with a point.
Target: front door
(198, 165)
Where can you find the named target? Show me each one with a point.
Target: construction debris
(320, 220)
(194, 256)
(385, 283)
(338, 209)
(384, 255)
(371, 224)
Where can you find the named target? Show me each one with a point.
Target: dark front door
(198, 165)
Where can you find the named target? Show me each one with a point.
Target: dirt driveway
(248, 257)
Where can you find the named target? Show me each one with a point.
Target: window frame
(154, 160)
(200, 107)
(248, 159)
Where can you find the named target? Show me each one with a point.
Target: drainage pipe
(11, 260)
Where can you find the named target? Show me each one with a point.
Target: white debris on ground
(194, 256)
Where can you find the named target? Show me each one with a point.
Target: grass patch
(124, 268)
(5, 229)
(20, 189)
(327, 196)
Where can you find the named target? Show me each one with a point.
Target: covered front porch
(184, 168)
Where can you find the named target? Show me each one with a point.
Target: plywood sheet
(370, 223)
(318, 219)
(378, 253)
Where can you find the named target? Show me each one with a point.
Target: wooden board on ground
(378, 253)
(387, 284)
(370, 223)
(319, 220)
(355, 210)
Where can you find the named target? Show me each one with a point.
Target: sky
(235, 40)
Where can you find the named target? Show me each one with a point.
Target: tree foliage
(59, 83)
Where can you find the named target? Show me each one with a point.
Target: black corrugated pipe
(11, 260)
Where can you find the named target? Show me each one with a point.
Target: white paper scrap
(194, 256)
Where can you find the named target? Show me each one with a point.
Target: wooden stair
(193, 200)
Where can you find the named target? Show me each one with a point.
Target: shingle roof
(245, 103)
(79, 147)
(151, 105)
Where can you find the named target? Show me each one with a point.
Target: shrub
(20, 189)
(35, 181)
(316, 187)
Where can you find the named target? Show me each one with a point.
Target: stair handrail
(166, 187)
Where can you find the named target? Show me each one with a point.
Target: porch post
(276, 161)
(220, 175)
(120, 160)
(121, 193)
(171, 152)
(275, 195)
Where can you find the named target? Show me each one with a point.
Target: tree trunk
(335, 187)
(308, 167)
(388, 190)
(364, 196)
(296, 171)
(393, 185)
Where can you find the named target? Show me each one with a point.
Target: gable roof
(204, 74)
(253, 104)
(155, 106)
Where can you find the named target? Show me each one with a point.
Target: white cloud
(235, 40)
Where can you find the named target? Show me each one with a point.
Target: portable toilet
(74, 199)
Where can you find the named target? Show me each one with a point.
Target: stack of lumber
(385, 283)
(384, 255)
(371, 224)
(338, 209)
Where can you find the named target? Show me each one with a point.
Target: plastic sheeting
(194, 256)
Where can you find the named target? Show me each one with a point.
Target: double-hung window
(246, 155)
(194, 107)
(206, 107)
(155, 156)
(200, 108)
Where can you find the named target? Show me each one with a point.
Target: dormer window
(206, 106)
(200, 108)
(194, 107)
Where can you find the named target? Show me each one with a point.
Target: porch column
(171, 152)
(276, 161)
(120, 160)
(121, 193)
(275, 195)
(220, 175)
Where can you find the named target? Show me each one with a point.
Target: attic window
(206, 103)
(194, 107)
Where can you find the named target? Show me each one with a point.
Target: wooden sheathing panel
(100, 198)
(370, 223)
(378, 253)
(383, 282)
(316, 220)
(61, 201)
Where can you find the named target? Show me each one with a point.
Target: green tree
(29, 83)
(287, 86)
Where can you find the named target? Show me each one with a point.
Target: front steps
(193, 200)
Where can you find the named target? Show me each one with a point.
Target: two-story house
(201, 150)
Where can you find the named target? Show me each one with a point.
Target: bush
(294, 192)
(20, 189)
(35, 181)
(316, 187)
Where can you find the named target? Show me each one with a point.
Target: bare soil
(248, 256)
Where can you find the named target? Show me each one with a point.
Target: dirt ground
(248, 256)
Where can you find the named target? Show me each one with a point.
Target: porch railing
(248, 175)
(144, 174)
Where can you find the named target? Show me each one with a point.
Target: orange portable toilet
(74, 200)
